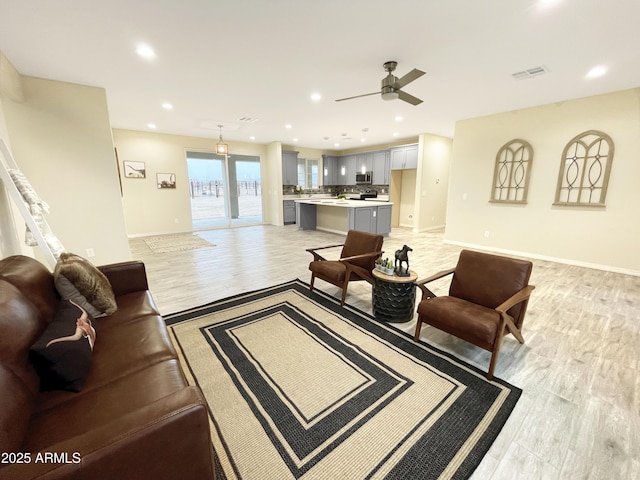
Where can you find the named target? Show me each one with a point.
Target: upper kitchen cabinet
(364, 162)
(403, 158)
(329, 169)
(289, 167)
(347, 170)
(381, 167)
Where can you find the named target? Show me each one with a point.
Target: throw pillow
(62, 355)
(79, 280)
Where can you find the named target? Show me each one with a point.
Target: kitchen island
(340, 216)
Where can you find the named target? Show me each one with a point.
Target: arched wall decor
(585, 167)
(511, 173)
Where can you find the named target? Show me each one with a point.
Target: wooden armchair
(357, 259)
(487, 300)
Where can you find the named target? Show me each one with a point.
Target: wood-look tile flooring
(579, 415)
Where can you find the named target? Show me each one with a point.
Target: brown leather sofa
(136, 416)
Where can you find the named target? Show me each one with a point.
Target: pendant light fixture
(222, 148)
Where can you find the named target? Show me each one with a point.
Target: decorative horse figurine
(402, 256)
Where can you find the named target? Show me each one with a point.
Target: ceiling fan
(392, 85)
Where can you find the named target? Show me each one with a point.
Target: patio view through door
(224, 191)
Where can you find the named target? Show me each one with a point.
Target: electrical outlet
(91, 252)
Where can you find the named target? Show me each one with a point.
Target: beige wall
(406, 205)
(432, 182)
(60, 136)
(599, 237)
(149, 210)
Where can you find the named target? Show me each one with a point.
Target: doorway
(224, 191)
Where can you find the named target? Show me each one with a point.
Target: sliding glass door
(224, 191)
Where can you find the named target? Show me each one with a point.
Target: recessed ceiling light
(145, 51)
(597, 71)
(252, 137)
(288, 125)
(363, 139)
(295, 139)
(152, 126)
(395, 134)
(336, 144)
(399, 118)
(316, 97)
(167, 106)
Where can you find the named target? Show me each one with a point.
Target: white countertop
(334, 202)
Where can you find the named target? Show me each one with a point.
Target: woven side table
(393, 297)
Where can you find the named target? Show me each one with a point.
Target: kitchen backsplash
(337, 189)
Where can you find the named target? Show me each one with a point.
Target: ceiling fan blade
(409, 98)
(358, 96)
(408, 78)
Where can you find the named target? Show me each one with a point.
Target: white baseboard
(429, 229)
(565, 261)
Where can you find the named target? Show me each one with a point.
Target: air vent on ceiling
(246, 119)
(530, 73)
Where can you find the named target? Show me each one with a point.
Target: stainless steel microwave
(362, 178)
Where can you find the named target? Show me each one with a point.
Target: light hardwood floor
(579, 415)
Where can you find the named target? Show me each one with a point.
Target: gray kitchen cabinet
(289, 211)
(381, 167)
(289, 167)
(403, 158)
(347, 170)
(329, 169)
(364, 162)
(363, 219)
(383, 220)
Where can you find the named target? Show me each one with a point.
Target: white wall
(605, 238)
(61, 139)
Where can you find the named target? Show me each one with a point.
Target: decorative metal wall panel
(584, 170)
(511, 173)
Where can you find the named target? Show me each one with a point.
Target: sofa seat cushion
(98, 407)
(120, 352)
(471, 322)
(130, 307)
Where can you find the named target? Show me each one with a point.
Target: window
(584, 170)
(511, 173)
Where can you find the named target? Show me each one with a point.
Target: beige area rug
(176, 242)
(301, 388)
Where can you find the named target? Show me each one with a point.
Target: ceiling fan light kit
(391, 86)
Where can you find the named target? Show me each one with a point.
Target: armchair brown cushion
(357, 259)
(487, 299)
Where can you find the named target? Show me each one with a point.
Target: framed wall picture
(166, 180)
(134, 169)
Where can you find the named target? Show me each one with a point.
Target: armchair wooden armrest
(426, 293)
(318, 257)
(516, 298)
(507, 320)
(364, 255)
(358, 270)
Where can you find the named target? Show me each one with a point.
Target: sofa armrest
(126, 277)
(165, 440)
